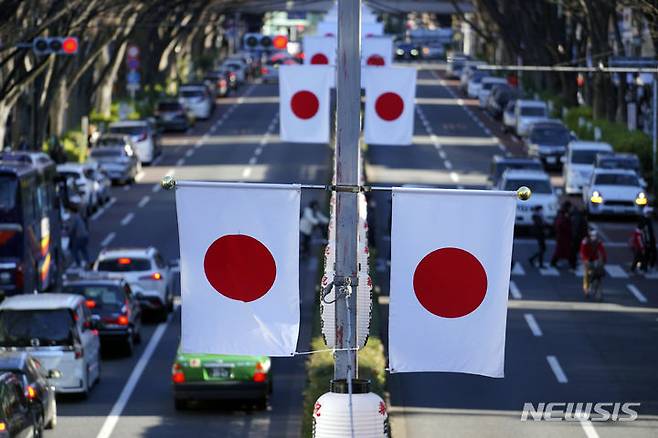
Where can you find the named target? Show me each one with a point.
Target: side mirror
(54, 374)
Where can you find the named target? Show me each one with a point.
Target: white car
(197, 100)
(146, 269)
(542, 194)
(578, 164)
(58, 330)
(101, 181)
(143, 135)
(469, 68)
(84, 183)
(614, 192)
(475, 82)
(528, 112)
(485, 88)
(509, 116)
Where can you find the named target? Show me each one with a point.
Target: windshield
(536, 185)
(558, 136)
(533, 111)
(104, 297)
(620, 163)
(8, 192)
(23, 328)
(124, 264)
(127, 130)
(107, 152)
(616, 179)
(169, 106)
(191, 93)
(584, 156)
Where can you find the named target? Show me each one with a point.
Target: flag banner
(239, 260)
(451, 253)
(319, 50)
(304, 101)
(389, 114)
(330, 28)
(377, 51)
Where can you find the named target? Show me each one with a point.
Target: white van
(579, 164)
(57, 330)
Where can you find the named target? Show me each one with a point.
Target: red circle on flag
(239, 267)
(319, 58)
(450, 282)
(389, 106)
(375, 60)
(304, 104)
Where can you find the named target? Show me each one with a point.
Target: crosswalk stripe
(616, 271)
(518, 269)
(549, 272)
(636, 293)
(514, 290)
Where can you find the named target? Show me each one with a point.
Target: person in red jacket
(637, 246)
(594, 257)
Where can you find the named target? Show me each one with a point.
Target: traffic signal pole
(348, 120)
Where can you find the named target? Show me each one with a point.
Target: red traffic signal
(44, 46)
(280, 42)
(70, 45)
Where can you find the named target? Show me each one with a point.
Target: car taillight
(20, 277)
(264, 70)
(30, 392)
(222, 83)
(259, 374)
(122, 320)
(155, 276)
(78, 351)
(177, 375)
(90, 304)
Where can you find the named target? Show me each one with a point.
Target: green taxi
(221, 377)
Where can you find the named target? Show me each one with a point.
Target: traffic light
(251, 40)
(43, 46)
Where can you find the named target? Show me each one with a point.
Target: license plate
(218, 372)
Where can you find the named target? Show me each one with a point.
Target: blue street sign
(133, 77)
(132, 63)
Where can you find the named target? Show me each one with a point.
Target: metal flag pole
(348, 117)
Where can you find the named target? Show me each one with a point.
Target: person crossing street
(539, 231)
(594, 257)
(312, 218)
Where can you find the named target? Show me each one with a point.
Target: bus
(31, 257)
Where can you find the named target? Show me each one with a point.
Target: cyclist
(593, 255)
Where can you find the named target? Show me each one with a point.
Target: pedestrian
(594, 257)
(79, 239)
(563, 235)
(539, 231)
(57, 151)
(636, 245)
(579, 229)
(648, 238)
(312, 217)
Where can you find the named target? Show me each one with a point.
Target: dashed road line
(588, 428)
(532, 323)
(108, 239)
(616, 271)
(252, 161)
(100, 212)
(127, 219)
(180, 162)
(514, 291)
(518, 269)
(156, 188)
(145, 200)
(258, 151)
(447, 164)
(636, 293)
(189, 153)
(557, 369)
(126, 187)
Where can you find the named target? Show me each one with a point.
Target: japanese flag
(239, 248)
(319, 50)
(377, 51)
(389, 115)
(451, 253)
(304, 102)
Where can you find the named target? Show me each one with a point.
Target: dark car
(171, 115)
(498, 99)
(407, 51)
(499, 164)
(117, 313)
(548, 141)
(34, 381)
(116, 156)
(18, 417)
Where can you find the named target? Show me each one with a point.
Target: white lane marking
(180, 162)
(112, 419)
(454, 177)
(549, 272)
(616, 271)
(126, 188)
(258, 151)
(252, 161)
(447, 164)
(98, 214)
(157, 160)
(156, 188)
(514, 290)
(532, 323)
(518, 269)
(442, 154)
(126, 220)
(557, 369)
(636, 293)
(500, 146)
(109, 238)
(189, 153)
(139, 176)
(588, 428)
(145, 200)
(246, 173)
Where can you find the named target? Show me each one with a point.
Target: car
(34, 383)
(578, 163)
(220, 81)
(621, 161)
(117, 158)
(542, 194)
(500, 163)
(197, 99)
(455, 64)
(220, 377)
(470, 67)
(84, 183)
(527, 113)
(408, 51)
(146, 269)
(433, 51)
(58, 330)
(486, 85)
(475, 82)
(18, 417)
(171, 115)
(509, 116)
(33, 158)
(238, 68)
(101, 181)
(113, 306)
(548, 141)
(230, 76)
(614, 192)
(144, 137)
(270, 71)
(498, 99)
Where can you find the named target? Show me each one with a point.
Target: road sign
(132, 52)
(132, 63)
(133, 77)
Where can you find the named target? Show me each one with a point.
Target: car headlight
(414, 52)
(641, 199)
(399, 52)
(596, 197)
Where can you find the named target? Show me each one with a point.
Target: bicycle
(595, 273)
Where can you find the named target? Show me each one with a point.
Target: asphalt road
(239, 143)
(559, 348)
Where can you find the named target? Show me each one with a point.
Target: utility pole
(348, 117)
(655, 136)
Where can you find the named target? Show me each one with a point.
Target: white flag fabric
(377, 51)
(319, 50)
(330, 28)
(451, 256)
(239, 248)
(390, 100)
(304, 102)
